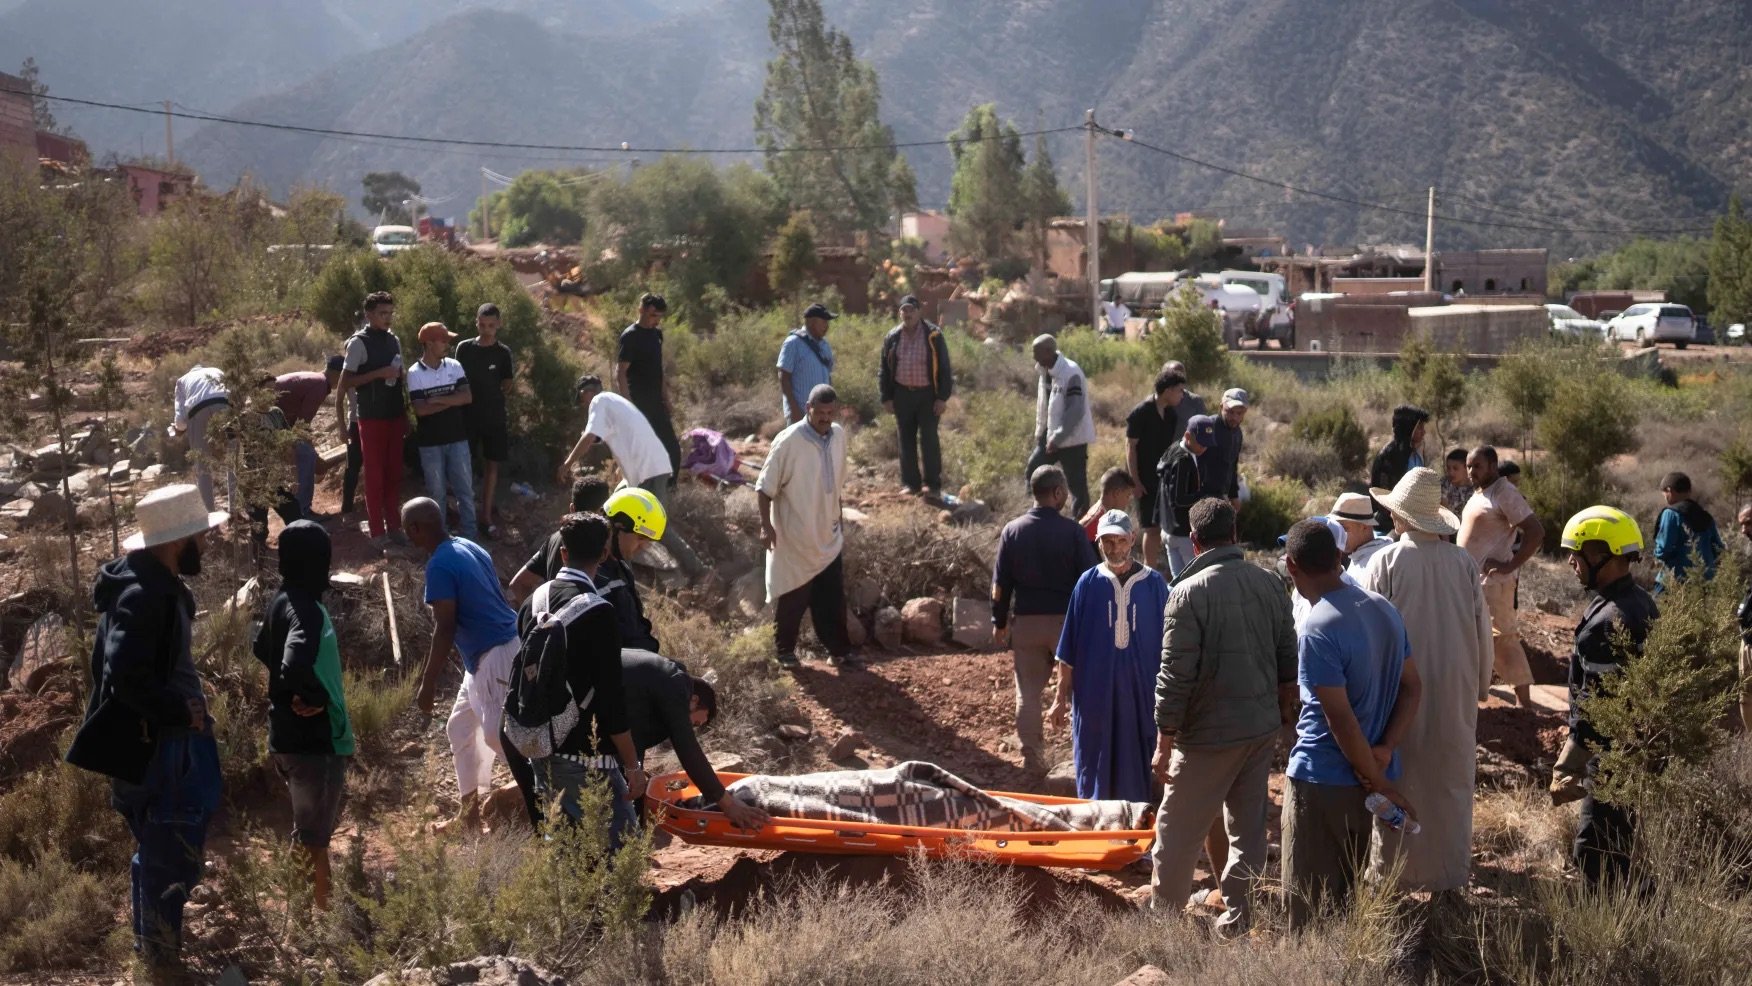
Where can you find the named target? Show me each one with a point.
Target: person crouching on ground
(1359, 691)
(469, 613)
(146, 726)
(593, 669)
(310, 738)
(1107, 655)
(1227, 683)
(665, 704)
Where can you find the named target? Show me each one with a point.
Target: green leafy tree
(1730, 266)
(544, 207)
(1526, 382)
(1335, 427)
(1043, 200)
(794, 257)
(818, 94)
(385, 193)
(985, 195)
(1192, 334)
(1432, 380)
(1590, 418)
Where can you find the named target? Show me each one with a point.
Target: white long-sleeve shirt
(1061, 408)
(201, 385)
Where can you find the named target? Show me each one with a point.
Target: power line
(185, 114)
(1380, 207)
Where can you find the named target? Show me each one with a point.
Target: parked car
(1652, 323)
(1705, 334)
(391, 240)
(1737, 334)
(1571, 324)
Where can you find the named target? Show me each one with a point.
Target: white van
(391, 240)
(1271, 287)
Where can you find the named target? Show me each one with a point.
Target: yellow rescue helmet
(1610, 526)
(637, 511)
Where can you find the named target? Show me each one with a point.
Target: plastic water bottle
(1392, 814)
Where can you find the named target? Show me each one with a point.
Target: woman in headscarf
(1108, 656)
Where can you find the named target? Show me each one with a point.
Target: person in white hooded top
(1063, 424)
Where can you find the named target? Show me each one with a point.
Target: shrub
(1099, 354)
(908, 554)
(794, 258)
(62, 812)
(52, 916)
(1274, 506)
(1335, 428)
(1192, 334)
(1432, 380)
(989, 446)
(1736, 466)
(1525, 380)
(1304, 461)
(1556, 494)
(335, 295)
(1590, 419)
(375, 699)
(752, 698)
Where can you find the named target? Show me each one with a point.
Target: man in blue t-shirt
(469, 612)
(805, 361)
(1359, 692)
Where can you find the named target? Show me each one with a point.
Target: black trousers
(824, 597)
(1603, 841)
(657, 414)
(524, 774)
(355, 462)
(915, 414)
(1075, 462)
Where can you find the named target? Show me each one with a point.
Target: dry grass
(908, 554)
(52, 916)
(1519, 829)
(753, 697)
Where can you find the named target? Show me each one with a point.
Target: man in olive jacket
(1228, 681)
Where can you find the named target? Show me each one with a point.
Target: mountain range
(1566, 123)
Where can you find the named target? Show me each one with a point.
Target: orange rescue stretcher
(1106, 850)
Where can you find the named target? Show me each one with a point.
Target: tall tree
(385, 195)
(985, 194)
(1042, 199)
(43, 117)
(819, 95)
(1730, 266)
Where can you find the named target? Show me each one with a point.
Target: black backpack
(540, 709)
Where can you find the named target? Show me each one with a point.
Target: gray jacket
(1227, 644)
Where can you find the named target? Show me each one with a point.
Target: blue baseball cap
(1203, 429)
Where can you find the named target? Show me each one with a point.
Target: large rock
(1061, 780)
(972, 622)
(922, 620)
(94, 512)
(728, 763)
(88, 481)
(864, 595)
(845, 744)
(152, 473)
(856, 635)
(50, 459)
(889, 630)
(748, 593)
(45, 646)
(45, 510)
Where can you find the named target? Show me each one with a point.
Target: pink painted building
(154, 188)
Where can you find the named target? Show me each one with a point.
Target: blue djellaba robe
(1112, 640)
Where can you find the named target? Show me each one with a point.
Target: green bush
(337, 293)
(1192, 334)
(1556, 494)
(1302, 460)
(1335, 428)
(990, 445)
(1275, 505)
(1591, 418)
(52, 916)
(1100, 354)
(61, 811)
(1432, 379)
(375, 699)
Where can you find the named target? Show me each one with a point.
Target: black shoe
(789, 662)
(849, 662)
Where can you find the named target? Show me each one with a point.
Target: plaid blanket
(924, 794)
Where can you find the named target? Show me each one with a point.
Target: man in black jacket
(1182, 485)
(593, 668)
(146, 726)
(666, 704)
(310, 738)
(915, 383)
(589, 493)
(1399, 456)
(637, 518)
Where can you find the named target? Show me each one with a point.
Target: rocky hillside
(1558, 113)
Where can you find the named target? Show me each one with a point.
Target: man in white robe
(799, 491)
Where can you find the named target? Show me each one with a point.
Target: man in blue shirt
(469, 613)
(1684, 525)
(805, 361)
(1359, 691)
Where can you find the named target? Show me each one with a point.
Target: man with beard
(146, 726)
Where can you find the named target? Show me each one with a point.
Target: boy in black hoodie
(1399, 456)
(309, 735)
(146, 726)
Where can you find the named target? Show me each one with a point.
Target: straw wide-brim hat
(171, 514)
(1418, 498)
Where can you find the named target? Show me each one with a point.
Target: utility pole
(1430, 244)
(1092, 222)
(486, 217)
(169, 142)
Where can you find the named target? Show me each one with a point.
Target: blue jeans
(448, 471)
(304, 464)
(563, 778)
(168, 813)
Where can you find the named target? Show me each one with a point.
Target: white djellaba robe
(1435, 586)
(803, 475)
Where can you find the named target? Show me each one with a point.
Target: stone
(1146, 975)
(348, 579)
(49, 458)
(152, 473)
(922, 619)
(95, 512)
(119, 472)
(1061, 780)
(726, 762)
(889, 629)
(748, 593)
(971, 620)
(854, 517)
(656, 558)
(45, 647)
(45, 510)
(142, 450)
(864, 595)
(792, 732)
(856, 635)
(845, 744)
(87, 481)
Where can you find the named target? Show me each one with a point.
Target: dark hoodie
(142, 673)
(297, 643)
(614, 581)
(1394, 459)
